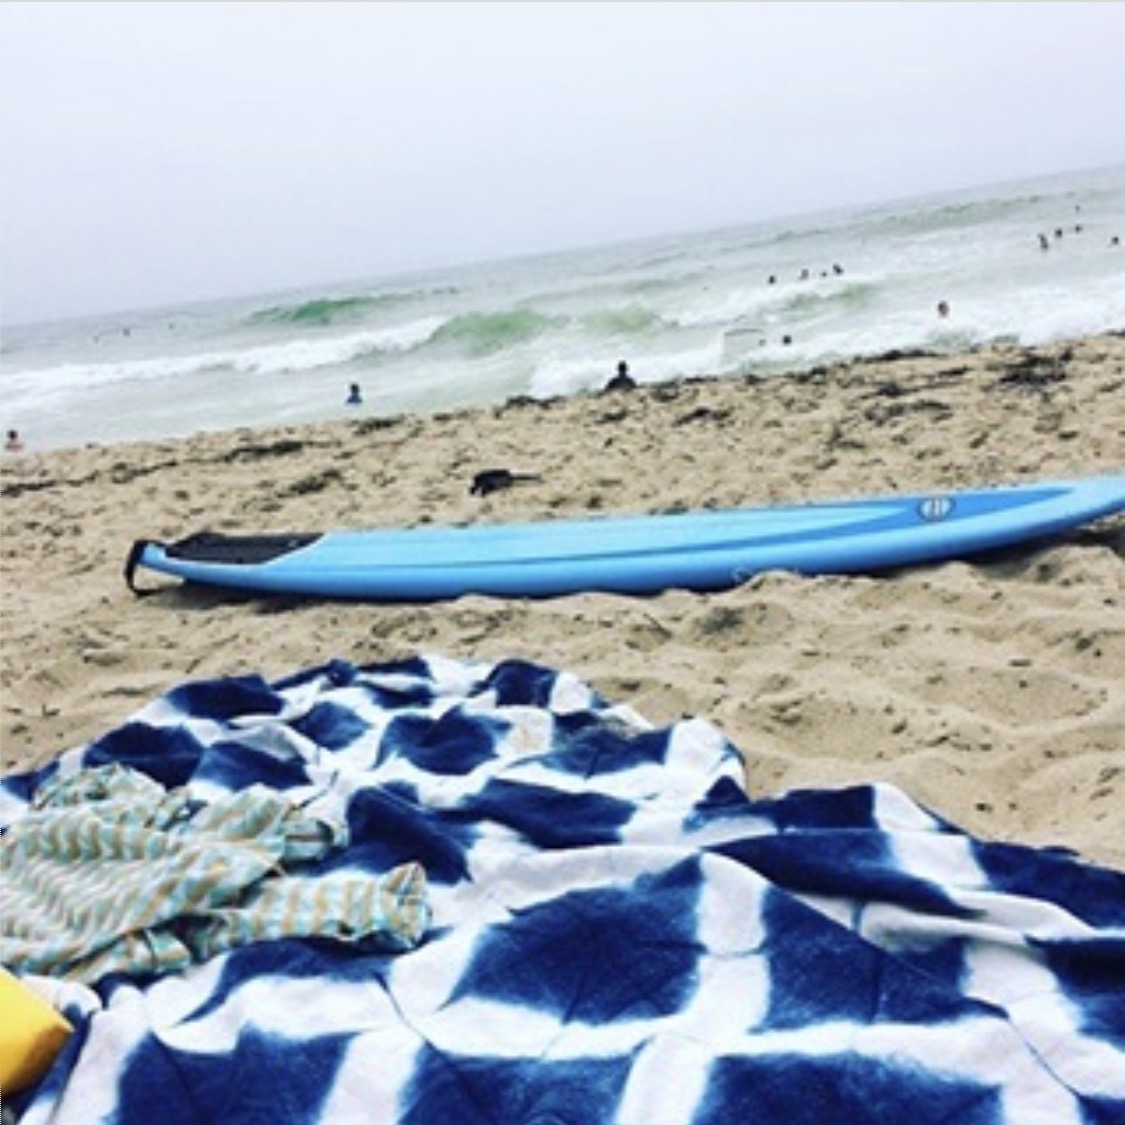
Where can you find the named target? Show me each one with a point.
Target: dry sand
(993, 692)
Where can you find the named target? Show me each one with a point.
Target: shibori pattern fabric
(618, 933)
(111, 872)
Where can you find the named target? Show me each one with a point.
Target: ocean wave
(662, 259)
(300, 355)
(769, 304)
(800, 234)
(847, 296)
(626, 320)
(309, 354)
(43, 385)
(1047, 313)
(482, 334)
(319, 311)
(734, 307)
(327, 311)
(954, 216)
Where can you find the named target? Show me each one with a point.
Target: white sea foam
(569, 376)
(41, 386)
(308, 354)
(739, 306)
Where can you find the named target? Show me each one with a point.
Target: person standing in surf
(622, 381)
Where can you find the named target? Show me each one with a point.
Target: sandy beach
(991, 691)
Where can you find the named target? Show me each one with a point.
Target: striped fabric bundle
(114, 873)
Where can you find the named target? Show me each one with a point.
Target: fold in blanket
(619, 933)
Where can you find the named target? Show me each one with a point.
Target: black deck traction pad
(214, 547)
(237, 550)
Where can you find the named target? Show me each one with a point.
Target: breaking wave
(326, 311)
(482, 334)
(322, 311)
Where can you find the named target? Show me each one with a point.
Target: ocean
(1027, 262)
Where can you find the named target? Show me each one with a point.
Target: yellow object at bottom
(31, 1034)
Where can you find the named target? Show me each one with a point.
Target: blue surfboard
(700, 550)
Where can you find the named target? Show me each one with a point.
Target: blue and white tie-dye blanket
(618, 933)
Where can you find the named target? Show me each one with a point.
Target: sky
(161, 153)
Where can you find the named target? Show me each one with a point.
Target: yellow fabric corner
(31, 1034)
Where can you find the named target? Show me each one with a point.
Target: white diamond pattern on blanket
(618, 933)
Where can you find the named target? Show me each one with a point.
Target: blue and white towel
(618, 932)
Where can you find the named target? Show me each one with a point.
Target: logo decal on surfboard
(935, 508)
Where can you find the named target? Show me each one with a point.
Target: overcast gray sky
(163, 152)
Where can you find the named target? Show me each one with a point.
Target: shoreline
(993, 692)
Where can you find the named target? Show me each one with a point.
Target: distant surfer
(355, 396)
(1043, 243)
(14, 444)
(943, 309)
(622, 381)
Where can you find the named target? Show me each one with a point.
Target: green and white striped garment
(113, 873)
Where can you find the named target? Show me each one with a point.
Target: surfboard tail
(133, 560)
(215, 548)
